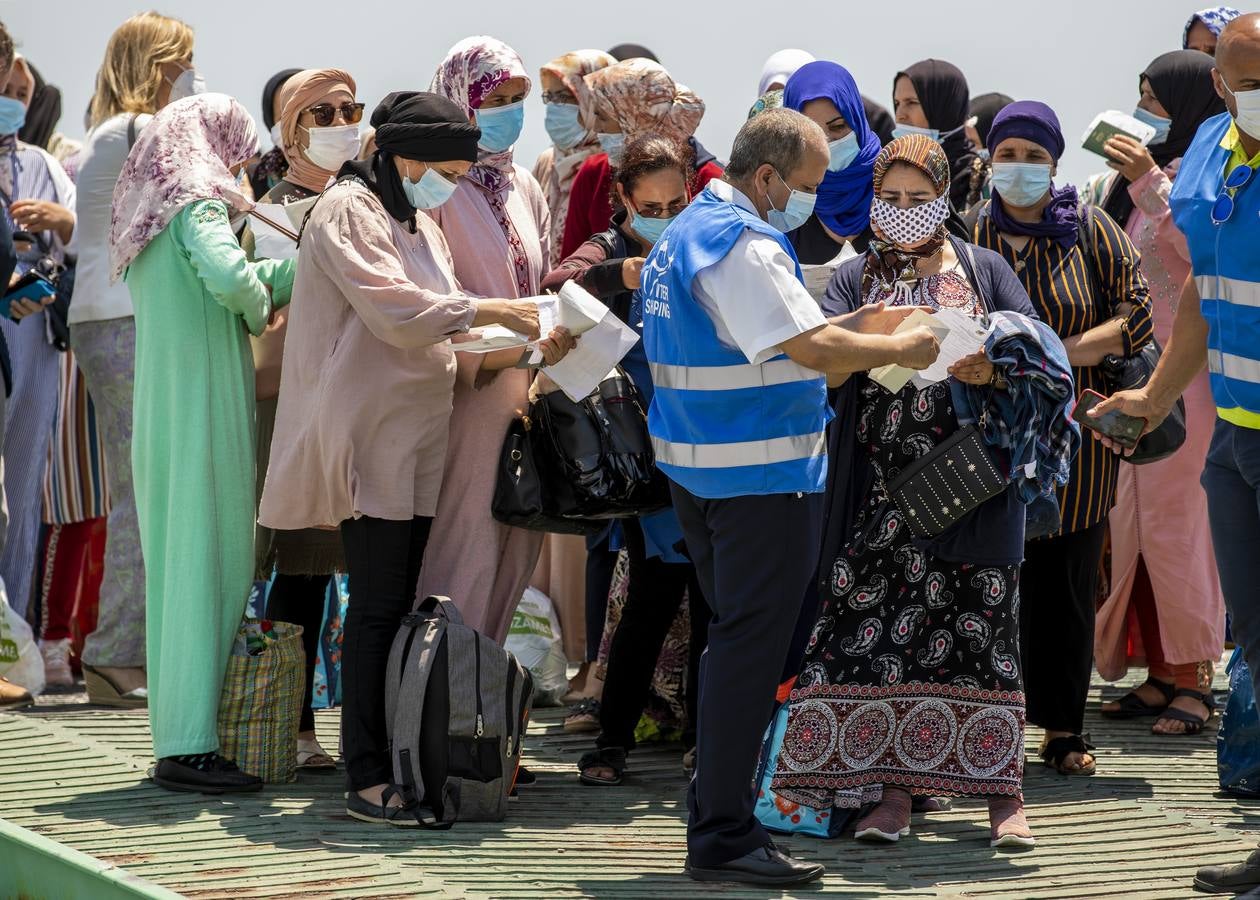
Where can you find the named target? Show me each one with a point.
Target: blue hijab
(844, 197)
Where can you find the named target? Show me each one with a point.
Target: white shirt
(752, 294)
(95, 299)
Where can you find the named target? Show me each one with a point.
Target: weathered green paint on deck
(75, 776)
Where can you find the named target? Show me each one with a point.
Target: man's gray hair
(778, 137)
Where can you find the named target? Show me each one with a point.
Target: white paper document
(604, 339)
(966, 336)
(894, 377)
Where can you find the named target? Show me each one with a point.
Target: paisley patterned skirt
(911, 676)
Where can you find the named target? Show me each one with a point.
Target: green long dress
(196, 298)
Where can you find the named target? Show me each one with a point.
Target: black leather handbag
(946, 484)
(1127, 374)
(568, 467)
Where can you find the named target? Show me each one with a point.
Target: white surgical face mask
(333, 145)
(188, 84)
(277, 138)
(1247, 104)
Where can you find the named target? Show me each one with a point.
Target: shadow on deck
(76, 775)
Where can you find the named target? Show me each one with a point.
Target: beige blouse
(366, 382)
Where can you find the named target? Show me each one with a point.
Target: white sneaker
(57, 662)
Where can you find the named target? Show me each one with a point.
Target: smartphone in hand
(1123, 430)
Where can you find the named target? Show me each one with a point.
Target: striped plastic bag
(261, 705)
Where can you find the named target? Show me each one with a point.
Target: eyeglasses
(663, 212)
(559, 97)
(1223, 208)
(325, 113)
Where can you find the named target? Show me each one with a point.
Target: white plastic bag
(20, 659)
(534, 639)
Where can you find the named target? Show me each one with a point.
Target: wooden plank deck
(77, 775)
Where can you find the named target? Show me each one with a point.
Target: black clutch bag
(1134, 372)
(943, 486)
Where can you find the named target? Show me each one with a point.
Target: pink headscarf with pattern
(182, 156)
(473, 68)
(641, 96)
(557, 177)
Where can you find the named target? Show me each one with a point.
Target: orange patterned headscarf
(641, 96)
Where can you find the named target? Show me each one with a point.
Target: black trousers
(656, 591)
(1058, 587)
(301, 599)
(754, 557)
(383, 561)
(600, 562)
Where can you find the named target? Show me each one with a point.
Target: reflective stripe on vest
(1231, 290)
(746, 453)
(1239, 368)
(729, 378)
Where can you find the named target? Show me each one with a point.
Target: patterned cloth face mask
(913, 225)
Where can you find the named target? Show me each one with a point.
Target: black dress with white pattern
(911, 676)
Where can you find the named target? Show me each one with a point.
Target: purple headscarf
(844, 197)
(1035, 121)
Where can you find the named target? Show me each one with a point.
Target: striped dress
(75, 486)
(1063, 292)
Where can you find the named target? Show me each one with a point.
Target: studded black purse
(944, 485)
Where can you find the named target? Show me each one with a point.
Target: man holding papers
(740, 354)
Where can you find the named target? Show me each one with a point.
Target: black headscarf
(880, 120)
(632, 51)
(414, 125)
(43, 112)
(944, 95)
(274, 83)
(1182, 83)
(984, 108)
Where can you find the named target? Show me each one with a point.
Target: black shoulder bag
(1123, 374)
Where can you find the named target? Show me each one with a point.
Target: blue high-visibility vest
(1225, 260)
(722, 427)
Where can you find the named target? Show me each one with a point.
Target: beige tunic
(365, 388)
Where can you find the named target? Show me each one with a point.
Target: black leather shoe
(766, 865)
(1230, 879)
(207, 773)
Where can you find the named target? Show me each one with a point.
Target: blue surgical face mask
(1159, 123)
(500, 126)
(795, 213)
(613, 145)
(563, 124)
(903, 130)
(843, 152)
(12, 115)
(430, 192)
(650, 229)
(1021, 184)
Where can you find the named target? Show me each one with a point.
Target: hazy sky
(1080, 56)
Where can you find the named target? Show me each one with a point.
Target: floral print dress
(911, 676)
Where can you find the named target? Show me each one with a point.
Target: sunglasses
(325, 113)
(1223, 208)
(662, 212)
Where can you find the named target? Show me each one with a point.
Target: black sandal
(382, 814)
(604, 758)
(1194, 724)
(1056, 752)
(1134, 707)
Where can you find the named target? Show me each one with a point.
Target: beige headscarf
(300, 92)
(641, 96)
(558, 167)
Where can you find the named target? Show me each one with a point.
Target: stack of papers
(960, 335)
(605, 339)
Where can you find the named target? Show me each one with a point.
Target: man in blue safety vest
(741, 355)
(1215, 202)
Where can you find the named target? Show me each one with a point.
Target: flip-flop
(582, 718)
(312, 758)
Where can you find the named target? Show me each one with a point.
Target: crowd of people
(185, 416)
